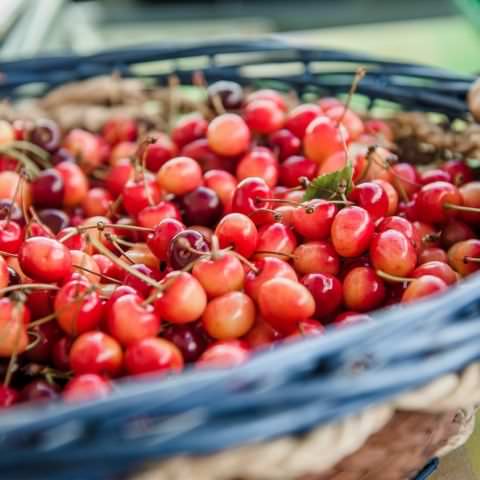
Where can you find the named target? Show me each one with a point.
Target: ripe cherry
(250, 195)
(238, 231)
(435, 175)
(322, 139)
(46, 134)
(352, 123)
(159, 240)
(259, 162)
(96, 352)
(8, 397)
(261, 335)
(275, 238)
(263, 116)
(284, 143)
(48, 189)
(14, 338)
(228, 135)
(185, 247)
(86, 387)
(436, 202)
(402, 225)
(392, 253)
(75, 183)
(352, 230)
(346, 319)
(372, 197)
(202, 206)
(223, 184)
(139, 194)
(190, 339)
(39, 391)
(180, 175)
(229, 316)
(268, 94)
(455, 231)
(225, 354)
(118, 176)
(459, 171)
(78, 308)
(327, 292)
(295, 168)
(432, 254)
(437, 269)
(120, 129)
(46, 336)
(405, 179)
(471, 198)
(363, 289)
(11, 236)
(184, 299)
(423, 286)
(464, 256)
(229, 93)
(316, 257)
(299, 118)
(392, 196)
(142, 288)
(153, 355)
(189, 128)
(152, 215)
(284, 302)
(97, 202)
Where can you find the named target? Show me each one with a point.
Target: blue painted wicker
(281, 392)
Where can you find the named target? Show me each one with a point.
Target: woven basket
(376, 401)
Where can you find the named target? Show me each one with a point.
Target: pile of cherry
(129, 252)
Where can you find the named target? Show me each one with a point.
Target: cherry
(202, 206)
(307, 328)
(48, 189)
(96, 352)
(432, 254)
(392, 253)
(190, 339)
(153, 355)
(300, 117)
(44, 259)
(39, 390)
(61, 155)
(225, 354)
(223, 273)
(471, 198)
(180, 175)
(46, 335)
(455, 231)
(78, 308)
(97, 202)
(275, 238)
(463, 256)
(406, 179)
(327, 292)
(250, 195)
(228, 135)
(151, 216)
(157, 151)
(184, 299)
(316, 257)
(346, 319)
(261, 335)
(284, 302)
(284, 143)
(86, 387)
(229, 93)
(189, 128)
(380, 129)
(85, 147)
(75, 183)
(263, 116)
(118, 176)
(159, 240)
(392, 196)
(10, 210)
(140, 286)
(268, 94)
(363, 289)
(459, 171)
(185, 247)
(403, 226)
(13, 277)
(296, 167)
(259, 162)
(435, 201)
(223, 184)
(352, 230)
(437, 269)
(322, 139)
(14, 189)
(435, 175)
(266, 269)
(352, 123)
(208, 160)
(120, 129)
(45, 134)
(55, 220)
(14, 338)
(372, 197)
(40, 303)
(423, 286)
(229, 316)
(313, 220)
(427, 234)
(8, 397)
(237, 230)
(139, 194)
(123, 151)
(61, 353)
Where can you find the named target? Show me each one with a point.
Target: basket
(376, 401)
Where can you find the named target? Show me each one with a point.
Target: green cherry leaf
(331, 186)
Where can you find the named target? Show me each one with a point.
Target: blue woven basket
(284, 392)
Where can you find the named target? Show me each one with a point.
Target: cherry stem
(393, 278)
(35, 217)
(215, 248)
(270, 252)
(123, 242)
(41, 321)
(8, 254)
(113, 240)
(277, 216)
(471, 259)
(28, 286)
(101, 275)
(100, 226)
(249, 264)
(462, 208)
(122, 264)
(183, 242)
(15, 193)
(359, 74)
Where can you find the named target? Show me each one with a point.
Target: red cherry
(372, 197)
(405, 179)
(437, 269)
(248, 196)
(180, 175)
(300, 117)
(219, 275)
(316, 257)
(190, 339)
(352, 123)
(129, 320)
(48, 189)
(153, 355)
(427, 234)
(228, 135)
(118, 176)
(266, 269)
(229, 316)
(403, 226)
(307, 328)
(237, 230)
(435, 175)
(184, 299)
(85, 147)
(151, 216)
(463, 256)
(363, 289)
(202, 206)
(284, 143)
(392, 253)
(434, 200)
(432, 254)
(44, 259)
(263, 116)
(223, 184)
(456, 231)
(352, 230)
(14, 338)
(346, 319)
(260, 162)
(188, 129)
(158, 152)
(78, 308)
(96, 352)
(459, 171)
(268, 94)
(160, 239)
(261, 335)
(327, 292)
(471, 198)
(47, 335)
(276, 238)
(86, 387)
(75, 183)
(11, 236)
(379, 128)
(38, 391)
(97, 202)
(186, 247)
(8, 397)
(284, 302)
(225, 354)
(296, 167)
(423, 286)
(392, 196)
(119, 129)
(313, 220)
(142, 288)
(322, 139)
(122, 151)
(61, 353)
(137, 195)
